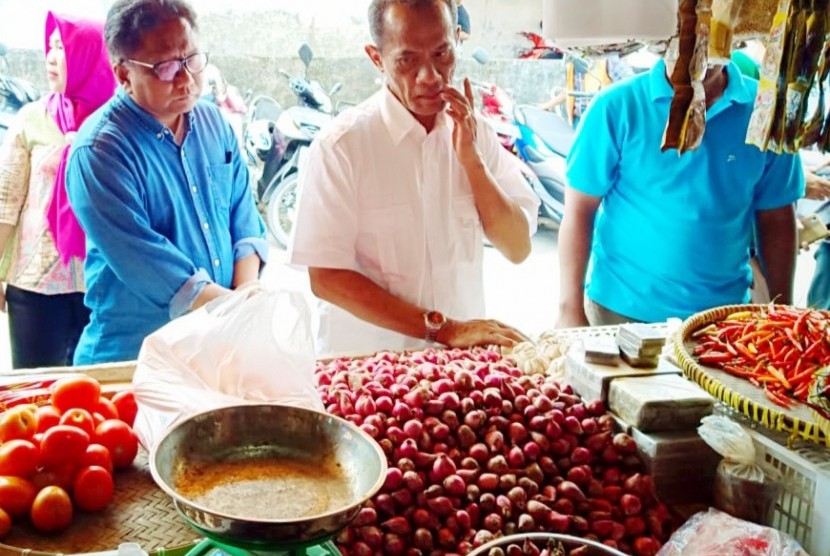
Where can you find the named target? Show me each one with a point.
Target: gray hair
(128, 21)
(377, 10)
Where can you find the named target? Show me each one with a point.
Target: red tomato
(47, 417)
(81, 391)
(61, 476)
(51, 510)
(18, 422)
(93, 488)
(98, 455)
(117, 437)
(16, 495)
(98, 419)
(124, 402)
(19, 458)
(63, 444)
(106, 408)
(80, 418)
(5, 524)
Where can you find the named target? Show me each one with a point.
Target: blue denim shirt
(161, 220)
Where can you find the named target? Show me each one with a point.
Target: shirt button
(193, 188)
(215, 262)
(205, 225)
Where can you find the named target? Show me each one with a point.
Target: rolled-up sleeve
(247, 227)
(107, 202)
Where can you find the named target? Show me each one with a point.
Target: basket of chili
(762, 360)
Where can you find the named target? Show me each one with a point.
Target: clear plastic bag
(715, 533)
(253, 345)
(744, 487)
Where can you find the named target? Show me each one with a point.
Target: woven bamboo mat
(141, 512)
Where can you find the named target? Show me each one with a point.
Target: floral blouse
(29, 158)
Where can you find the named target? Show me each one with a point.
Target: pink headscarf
(90, 83)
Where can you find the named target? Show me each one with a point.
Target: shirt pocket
(221, 185)
(385, 244)
(468, 234)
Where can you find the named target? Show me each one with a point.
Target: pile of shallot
(477, 449)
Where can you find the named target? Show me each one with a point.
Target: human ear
(122, 75)
(374, 55)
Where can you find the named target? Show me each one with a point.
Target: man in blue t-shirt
(649, 235)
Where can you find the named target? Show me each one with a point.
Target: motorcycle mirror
(335, 88)
(305, 54)
(480, 55)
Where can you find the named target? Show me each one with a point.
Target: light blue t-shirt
(672, 233)
(161, 220)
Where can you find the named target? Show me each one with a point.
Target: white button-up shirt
(382, 197)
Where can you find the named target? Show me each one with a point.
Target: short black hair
(129, 20)
(377, 10)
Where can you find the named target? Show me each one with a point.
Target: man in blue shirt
(669, 235)
(158, 185)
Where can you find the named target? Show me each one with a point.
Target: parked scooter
(277, 141)
(14, 93)
(545, 139)
(539, 138)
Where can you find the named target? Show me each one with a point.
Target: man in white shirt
(399, 194)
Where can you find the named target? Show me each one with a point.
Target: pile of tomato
(60, 457)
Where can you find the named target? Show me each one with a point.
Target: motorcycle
(540, 48)
(14, 93)
(544, 141)
(540, 139)
(277, 141)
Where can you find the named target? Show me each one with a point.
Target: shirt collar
(736, 87)
(399, 121)
(145, 118)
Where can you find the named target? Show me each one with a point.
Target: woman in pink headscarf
(41, 242)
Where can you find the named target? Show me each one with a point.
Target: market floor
(525, 296)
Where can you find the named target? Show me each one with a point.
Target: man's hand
(817, 187)
(461, 108)
(479, 333)
(2, 297)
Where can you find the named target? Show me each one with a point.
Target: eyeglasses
(169, 69)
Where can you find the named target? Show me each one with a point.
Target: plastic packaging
(722, 27)
(744, 488)
(253, 345)
(713, 533)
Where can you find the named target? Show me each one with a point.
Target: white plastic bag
(714, 533)
(744, 487)
(253, 345)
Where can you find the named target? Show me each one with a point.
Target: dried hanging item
(807, 61)
(764, 112)
(687, 114)
(724, 18)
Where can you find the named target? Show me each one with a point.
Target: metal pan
(267, 477)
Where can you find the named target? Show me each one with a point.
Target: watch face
(436, 318)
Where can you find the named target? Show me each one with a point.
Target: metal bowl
(247, 437)
(542, 539)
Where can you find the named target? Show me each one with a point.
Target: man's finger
(468, 91)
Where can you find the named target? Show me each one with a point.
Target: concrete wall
(257, 38)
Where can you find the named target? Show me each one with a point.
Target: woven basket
(821, 382)
(140, 511)
(736, 392)
(755, 19)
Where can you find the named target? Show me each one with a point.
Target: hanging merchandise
(795, 55)
(687, 114)
(722, 28)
